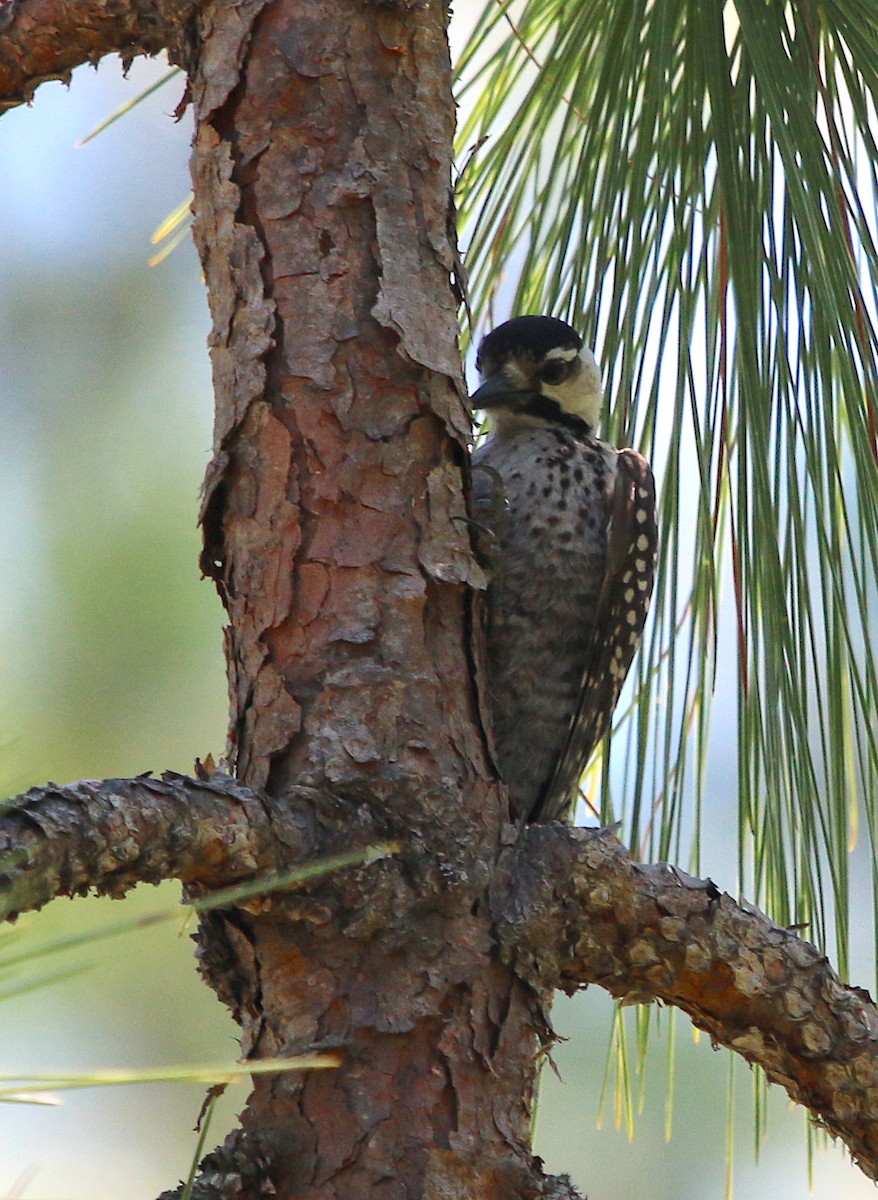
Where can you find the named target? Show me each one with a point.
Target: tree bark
(42, 40)
(335, 530)
(569, 908)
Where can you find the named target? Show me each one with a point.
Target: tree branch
(581, 911)
(111, 835)
(571, 908)
(45, 39)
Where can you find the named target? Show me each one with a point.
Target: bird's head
(535, 370)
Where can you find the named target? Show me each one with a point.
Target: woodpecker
(568, 527)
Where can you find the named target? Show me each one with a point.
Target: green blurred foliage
(110, 643)
(114, 661)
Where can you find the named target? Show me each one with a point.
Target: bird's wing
(632, 541)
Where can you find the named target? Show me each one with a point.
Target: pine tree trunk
(333, 521)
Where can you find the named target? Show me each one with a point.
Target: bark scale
(334, 528)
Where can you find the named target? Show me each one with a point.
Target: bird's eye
(553, 372)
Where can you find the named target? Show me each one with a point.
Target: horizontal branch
(653, 933)
(42, 40)
(571, 908)
(109, 836)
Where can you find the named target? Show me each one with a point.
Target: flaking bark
(582, 911)
(335, 531)
(108, 836)
(43, 40)
(570, 909)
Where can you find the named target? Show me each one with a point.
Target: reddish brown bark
(109, 836)
(570, 908)
(45, 39)
(582, 912)
(322, 214)
(334, 529)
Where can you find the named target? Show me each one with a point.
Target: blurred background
(111, 664)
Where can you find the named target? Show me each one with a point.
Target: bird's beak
(497, 390)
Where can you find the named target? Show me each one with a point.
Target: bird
(565, 526)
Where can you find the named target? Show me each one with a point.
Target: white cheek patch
(590, 372)
(581, 394)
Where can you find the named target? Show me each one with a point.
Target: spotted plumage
(567, 524)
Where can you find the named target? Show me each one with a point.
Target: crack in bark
(301, 228)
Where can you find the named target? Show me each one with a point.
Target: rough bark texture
(581, 911)
(45, 39)
(335, 532)
(334, 512)
(569, 908)
(109, 836)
